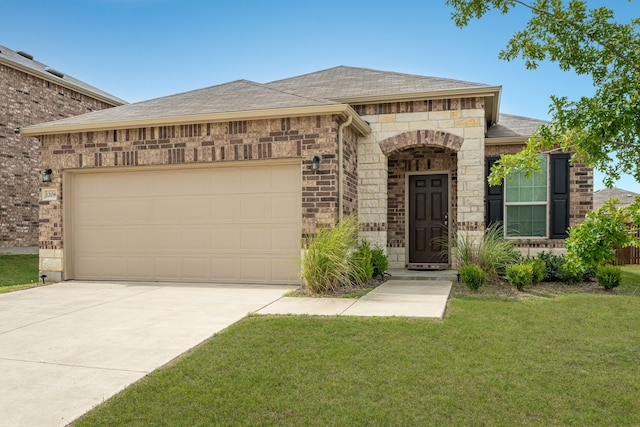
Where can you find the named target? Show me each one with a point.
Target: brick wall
(580, 200)
(199, 143)
(420, 159)
(27, 100)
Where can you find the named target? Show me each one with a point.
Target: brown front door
(428, 220)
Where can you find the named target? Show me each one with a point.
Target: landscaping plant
(493, 253)
(379, 261)
(609, 276)
(538, 267)
(327, 264)
(520, 275)
(362, 262)
(473, 276)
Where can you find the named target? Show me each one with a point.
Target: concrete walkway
(406, 293)
(65, 348)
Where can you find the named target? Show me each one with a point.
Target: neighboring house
(31, 93)
(625, 197)
(224, 184)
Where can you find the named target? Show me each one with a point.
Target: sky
(144, 49)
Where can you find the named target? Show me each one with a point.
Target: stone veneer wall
(420, 159)
(580, 201)
(301, 138)
(456, 124)
(27, 100)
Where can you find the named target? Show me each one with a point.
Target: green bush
(380, 261)
(609, 276)
(327, 264)
(493, 253)
(362, 263)
(520, 275)
(555, 269)
(473, 276)
(538, 267)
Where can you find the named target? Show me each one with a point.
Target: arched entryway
(422, 187)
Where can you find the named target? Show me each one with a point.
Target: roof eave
(343, 109)
(46, 76)
(507, 140)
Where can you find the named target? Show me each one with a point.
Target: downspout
(341, 165)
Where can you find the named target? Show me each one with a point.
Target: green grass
(568, 360)
(16, 271)
(631, 279)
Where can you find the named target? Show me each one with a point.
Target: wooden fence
(629, 255)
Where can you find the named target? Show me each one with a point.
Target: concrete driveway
(67, 347)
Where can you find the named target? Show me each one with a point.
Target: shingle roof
(239, 95)
(344, 83)
(15, 60)
(510, 126)
(625, 197)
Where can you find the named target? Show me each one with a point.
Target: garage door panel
(225, 269)
(283, 181)
(255, 207)
(225, 239)
(226, 224)
(225, 208)
(285, 208)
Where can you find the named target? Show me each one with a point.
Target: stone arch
(421, 138)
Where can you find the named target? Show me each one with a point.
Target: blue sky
(143, 49)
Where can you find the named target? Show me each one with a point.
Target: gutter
(339, 181)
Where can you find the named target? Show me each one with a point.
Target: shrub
(556, 269)
(380, 261)
(473, 276)
(609, 276)
(520, 275)
(327, 264)
(493, 253)
(538, 267)
(362, 263)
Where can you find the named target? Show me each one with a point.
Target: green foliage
(520, 275)
(380, 261)
(362, 263)
(538, 268)
(327, 264)
(593, 242)
(557, 270)
(493, 253)
(473, 276)
(589, 42)
(609, 276)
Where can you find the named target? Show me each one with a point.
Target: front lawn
(569, 359)
(18, 272)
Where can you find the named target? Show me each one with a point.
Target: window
(525, 201)
(535, 206)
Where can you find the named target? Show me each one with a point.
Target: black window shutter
(494, 211)
(559, 194)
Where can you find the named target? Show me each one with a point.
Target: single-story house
(32, 92)
(225, 183)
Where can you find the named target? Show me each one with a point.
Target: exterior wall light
(46, 175)
(315, 163)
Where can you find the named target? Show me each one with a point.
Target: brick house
(222, 184)
(31, 93)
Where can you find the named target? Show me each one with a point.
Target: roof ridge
(348, 67)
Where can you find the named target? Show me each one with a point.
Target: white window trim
(546, 203)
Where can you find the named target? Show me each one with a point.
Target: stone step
(404, 274)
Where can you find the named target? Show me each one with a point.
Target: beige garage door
(236, 224)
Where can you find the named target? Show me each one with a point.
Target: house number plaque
(49, 194)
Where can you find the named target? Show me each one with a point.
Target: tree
(595, 129)
(589, 42)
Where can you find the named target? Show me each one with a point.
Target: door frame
(434, 266)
